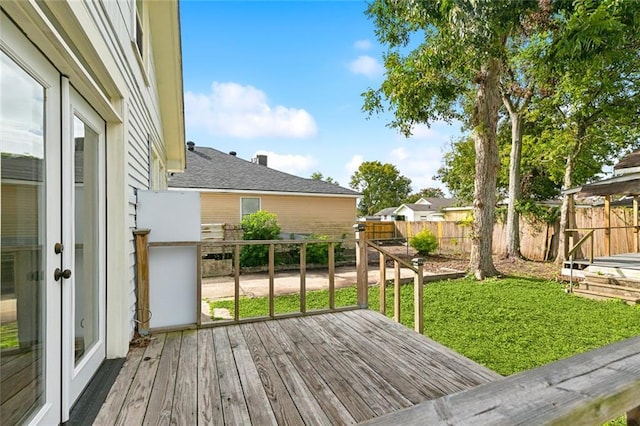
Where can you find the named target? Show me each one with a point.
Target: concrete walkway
(288, 282)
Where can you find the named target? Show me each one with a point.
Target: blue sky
(284, 78)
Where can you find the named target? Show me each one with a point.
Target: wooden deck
(338, 368)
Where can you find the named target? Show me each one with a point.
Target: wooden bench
(590, 388)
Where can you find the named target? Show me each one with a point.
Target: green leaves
(381, 186)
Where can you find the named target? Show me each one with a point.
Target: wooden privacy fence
(538, 240)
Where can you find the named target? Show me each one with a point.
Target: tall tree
(461, 53)
(320, 176)
(425, 193)
(591, 67)
(381, 186)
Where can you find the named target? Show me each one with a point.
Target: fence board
(538, 241)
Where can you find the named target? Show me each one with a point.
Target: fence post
(633, 417)
(142, 269)
(418, 291)
(636, 243)
(361, 264)
(607, 225)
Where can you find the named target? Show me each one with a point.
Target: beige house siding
(301, 214)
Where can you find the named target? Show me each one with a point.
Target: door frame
(17, 47)
(76, 377)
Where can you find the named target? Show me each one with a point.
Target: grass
(9, 335)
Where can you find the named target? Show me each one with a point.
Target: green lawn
(508, 324)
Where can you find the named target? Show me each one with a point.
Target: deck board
(339, 368)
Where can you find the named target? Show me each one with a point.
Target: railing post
(396, 291)
(142, 268)
(272, 257)
(633, 417)
(303, 278)
(361, 264)
(607, 225)
(236, 282)
(331, 260)
(383, 284)
(636, 242)
(418, 291)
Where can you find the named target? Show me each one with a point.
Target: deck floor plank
(255, 394)
(339, 383)
(161, 398)
(330, 402)
(284, 409)
(112, 406)
(135, 405)
(185, 400)
(302, 396)
(325, 369)
(398, 371)
(234, 406)
(365, 377)
(209, 398)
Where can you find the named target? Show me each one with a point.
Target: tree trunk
(515, 189)
(564, 210)
(485, 121)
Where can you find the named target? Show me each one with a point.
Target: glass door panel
(84, 207)
(30, 225)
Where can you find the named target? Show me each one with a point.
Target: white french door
(30, 316)
(52, 298)
(83, 227)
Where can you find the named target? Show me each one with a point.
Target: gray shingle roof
(630, 160)
(208, 168)
(436, 205)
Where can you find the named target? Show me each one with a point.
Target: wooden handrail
(579, 244)
(237, 245)
(418, 285)
(587, 389)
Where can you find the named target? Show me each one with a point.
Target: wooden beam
(236, 282)
(199, 284)
(303, 277)
(331, 260)
(418, 292)
(633, 417)
(396, 291)
(141, 237)
(636, 242)
(590, 388)
(272, 255)
(607, 225)
(383, 284)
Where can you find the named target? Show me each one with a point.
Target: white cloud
(295, 164)
(362, 44)
(399, 154)
(366, 65)
(354, 163)
(243, 112)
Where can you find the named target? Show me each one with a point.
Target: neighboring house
(385, 215)
(91, 110)
(425, 209)
(231, 188)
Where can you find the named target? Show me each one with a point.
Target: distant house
(231, 188)
(427, 209)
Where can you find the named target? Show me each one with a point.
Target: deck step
(600, 296)
(610, 289)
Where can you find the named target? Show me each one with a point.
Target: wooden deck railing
(587, 389)
(362, 277)
(418, 285)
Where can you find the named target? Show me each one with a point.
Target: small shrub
(261, 225)
(424, 242)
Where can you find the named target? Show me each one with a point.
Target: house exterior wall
(301, 214)
(93, 43)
